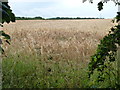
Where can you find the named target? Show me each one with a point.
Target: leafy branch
(106, 52)
(7, 16)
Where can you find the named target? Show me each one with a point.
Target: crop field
(51, 53)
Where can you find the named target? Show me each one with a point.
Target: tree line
(56, 18)
(29, 18)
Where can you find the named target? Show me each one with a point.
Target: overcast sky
(61, 8)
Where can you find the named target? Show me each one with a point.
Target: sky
(61, 8)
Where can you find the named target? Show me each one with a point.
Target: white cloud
(62, 8)
(34, 0)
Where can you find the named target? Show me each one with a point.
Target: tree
(7, 16)
(103, 61)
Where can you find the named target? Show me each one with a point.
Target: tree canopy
(7, 16)
(6, 13)
(104, 60)
(101, 3)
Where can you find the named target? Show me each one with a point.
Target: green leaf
(100, 6)
(6, 36)
(0, 41)
(12, 17)
(1, 50)
(5, 16)
(1, 32)
(7, 42)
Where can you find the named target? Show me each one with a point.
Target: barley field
(51, 53)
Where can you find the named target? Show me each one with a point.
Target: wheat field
(67, 39)
(54, 53)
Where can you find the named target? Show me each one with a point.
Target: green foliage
(6, 16)
(6, 12)
(6, 38)
(100, 6)
(70, 18)
(56, 18)
(103, 62)
(105, 55)
(32, 71)
(1, 50)
(118, 17)
(29, 18)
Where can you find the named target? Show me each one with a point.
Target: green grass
(30, 71)
(35, 71)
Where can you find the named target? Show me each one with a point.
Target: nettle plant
(7, 16)
(103, 61)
